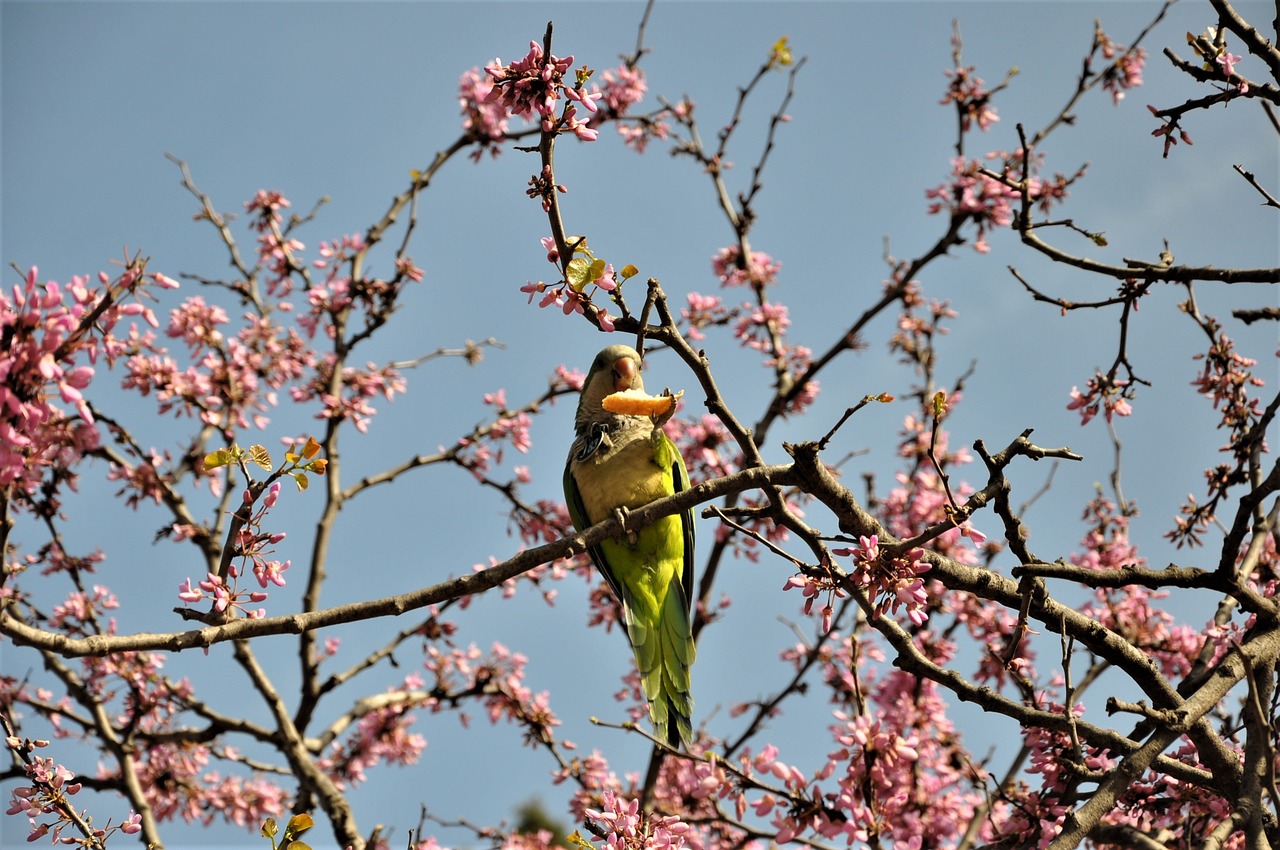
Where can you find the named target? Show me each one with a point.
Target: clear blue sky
(343, 99)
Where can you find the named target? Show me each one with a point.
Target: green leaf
(259, 455)
(302, 481)
(577, 273)
(629, 271)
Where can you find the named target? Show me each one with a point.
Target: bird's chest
(620, 477)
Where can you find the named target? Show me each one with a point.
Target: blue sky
(343, 99)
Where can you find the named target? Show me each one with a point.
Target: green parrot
(620, 461)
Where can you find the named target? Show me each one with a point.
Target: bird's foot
(631, 537)
(660, 419)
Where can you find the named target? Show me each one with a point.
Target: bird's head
(615, 369)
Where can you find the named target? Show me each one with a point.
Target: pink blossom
(1228, 62)
(761, 270)
(972, 99)
(484, 118)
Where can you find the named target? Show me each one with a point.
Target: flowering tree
(913, 598)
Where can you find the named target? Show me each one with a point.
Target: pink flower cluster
(51, 784)
(180, 785)
(759, 324)
(49, 331)
(1103, 393)
(77, 615)
(253, 545)
(1169, 131)
(358, 387)
(226, 594)
(703, 311)
(628, 828)
(814, 588)
(759, 271)
(577, 297)
(532, 86)
(623, 88)
(233, 379)
(381, 736)
(485, 119)
(976, 197)
(971, 97)
(496, 680)
(1125, 70)
(891, 582)
(892, 777)
(1129, 611)
(1225, 379)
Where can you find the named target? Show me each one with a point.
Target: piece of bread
(639, 403)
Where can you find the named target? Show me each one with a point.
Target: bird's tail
(665, 656)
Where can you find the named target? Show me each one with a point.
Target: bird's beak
(624, 374)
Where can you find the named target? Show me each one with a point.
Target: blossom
(623, 88)
(483, 118)
(531, 88)
(759, 271)
(1228, 62)
(971, 97)
(1103, 393)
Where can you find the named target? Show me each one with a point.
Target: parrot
(625, 462)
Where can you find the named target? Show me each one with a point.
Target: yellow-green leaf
(597, 270)
(629, 271)
(939, 403)
(295, 845)
(299, 824)
(269, 828)
(577, 273)
(780, 53)
(213, 460)
(259, 455)
(301, 479)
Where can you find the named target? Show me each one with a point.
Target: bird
(624, 462)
